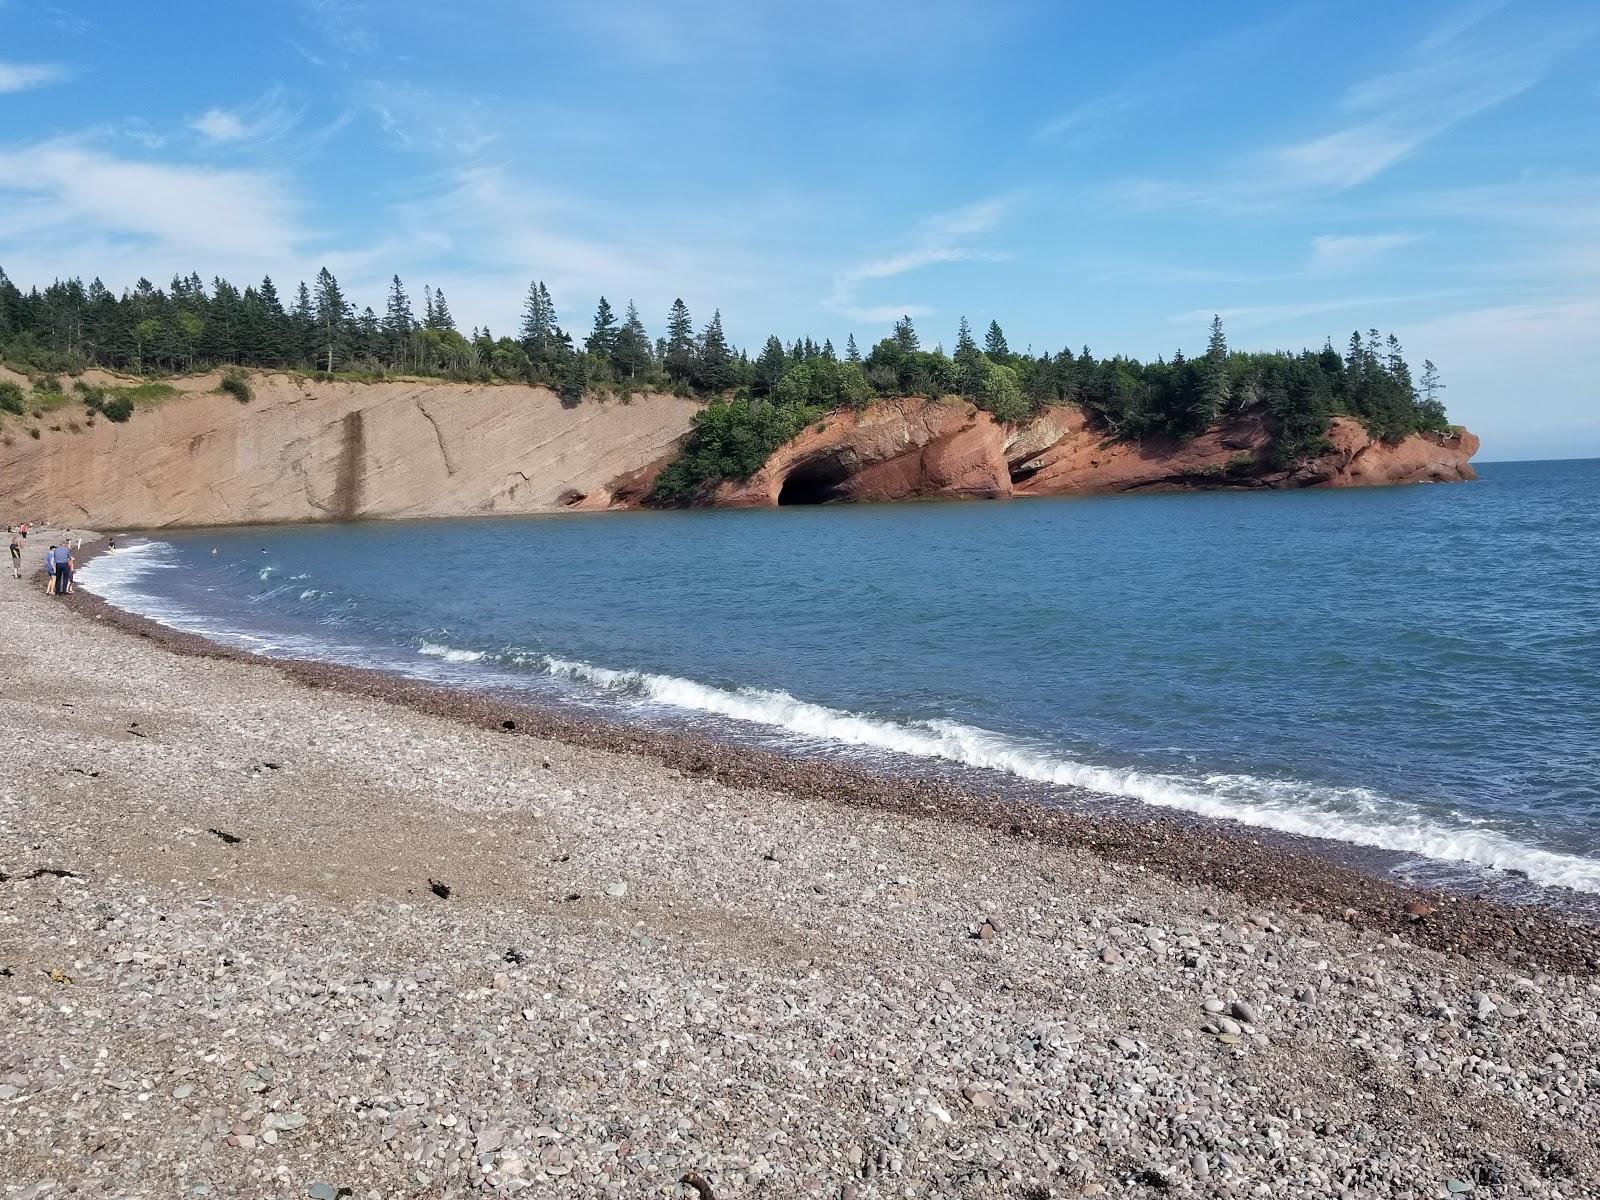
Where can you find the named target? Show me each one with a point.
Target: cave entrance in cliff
(816, 482)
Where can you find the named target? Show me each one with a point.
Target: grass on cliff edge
(46, 397)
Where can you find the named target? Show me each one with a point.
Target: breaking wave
(1350, 814)
(449, 653)
(1358, 816)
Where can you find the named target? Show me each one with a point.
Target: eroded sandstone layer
(912, 448)
(304, 450)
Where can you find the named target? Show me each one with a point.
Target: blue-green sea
(1412, 671)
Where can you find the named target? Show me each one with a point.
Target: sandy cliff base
(225, 968)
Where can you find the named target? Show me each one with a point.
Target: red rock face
(911, 448)
(895, 450)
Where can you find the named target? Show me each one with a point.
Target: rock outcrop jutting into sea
(901, 449)
(308, 450)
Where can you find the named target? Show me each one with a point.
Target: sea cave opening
(815, 482)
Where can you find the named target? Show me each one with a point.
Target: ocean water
(1411, 671)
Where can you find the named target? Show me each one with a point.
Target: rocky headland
(915, 448)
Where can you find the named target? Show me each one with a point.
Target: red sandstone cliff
(913, 448)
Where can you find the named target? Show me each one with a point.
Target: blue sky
(1086, 173)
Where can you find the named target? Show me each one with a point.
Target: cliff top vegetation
(755, 402)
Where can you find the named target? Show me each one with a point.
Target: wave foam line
(449, 653)
(1354, 815)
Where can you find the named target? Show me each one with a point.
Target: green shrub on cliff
(731, 440)
(823, 384)
(238, 387)
(999, 393)
(11, 398)
(117, 408)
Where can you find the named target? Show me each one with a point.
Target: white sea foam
(449, 653)
(117, 576)
(1354, 815)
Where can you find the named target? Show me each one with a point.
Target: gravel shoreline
(290, 929)
(1188, 851)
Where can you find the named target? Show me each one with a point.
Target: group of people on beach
(60, 561)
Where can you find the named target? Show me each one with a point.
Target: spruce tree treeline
(188, 326)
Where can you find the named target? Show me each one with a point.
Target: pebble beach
(288, 930)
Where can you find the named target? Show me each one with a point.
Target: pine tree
(1214, 385)
(369, 336)
(536, 322)
(442, 320)
(549, 311)
(398, 322)
(1355, 357)
(275, 337)
(303, 322)
(851, 354)
(680, 355)
(1431, 386)
(905, 336)
(968, 361)
(828, 352)
(715, 366)
(964, 343)
(631, 356)
(994, 343)
(769, 367)
(333, 312)
(602, 341)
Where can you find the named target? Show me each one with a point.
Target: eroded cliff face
(308, 451)
(912, 448)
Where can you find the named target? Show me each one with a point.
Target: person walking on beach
(50, 570)
(16, 557)
(64, 571)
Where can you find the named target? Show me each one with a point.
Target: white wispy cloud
(1191, 70)
(65, 193)
(1251, 316)
(418, 118)
(1343, 251)
(1453, 74)
(22, 77)
(343, 25)
(264, 120)
(944, 238)
(219, 125)
(483, 230)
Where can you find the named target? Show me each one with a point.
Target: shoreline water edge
(273, 928)
(1260, 865)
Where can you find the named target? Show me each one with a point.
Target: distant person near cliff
(16, 558)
